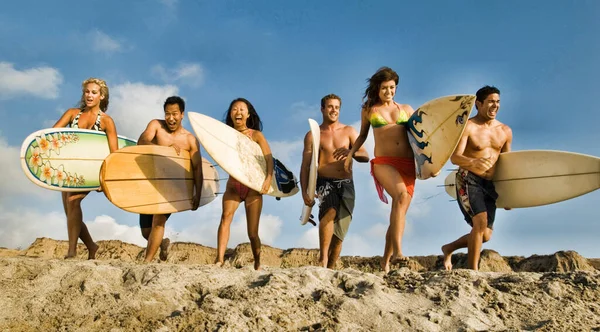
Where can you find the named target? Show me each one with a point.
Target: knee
(487, 235)
(401, 198)
(74, 202)
(226, 218)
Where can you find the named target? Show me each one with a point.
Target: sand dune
(116, 292)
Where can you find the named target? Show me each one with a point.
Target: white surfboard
(539, 177)
(311, 187)
(66, 159)
(241, 157)
(434, 131)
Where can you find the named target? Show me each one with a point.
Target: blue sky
(283, 57)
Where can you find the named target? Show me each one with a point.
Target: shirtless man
(335, 188)
(478, 150)
(169, 132)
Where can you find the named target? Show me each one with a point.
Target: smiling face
(331, 110)
(387, 91)
(173, 117)
(239, 115)
(488, 108)
(92, 95)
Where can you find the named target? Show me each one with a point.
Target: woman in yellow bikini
(91, 114)
(393, 168)
(242, 116)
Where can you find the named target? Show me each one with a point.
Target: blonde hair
(103, 92)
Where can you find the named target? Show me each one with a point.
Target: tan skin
(169, 132)
(478, 150)
(76, 228)
(253, 203)
(391, 141)
(336, 141)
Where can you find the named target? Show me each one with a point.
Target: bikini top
(378, 121)
(96, 126)
(249, 133)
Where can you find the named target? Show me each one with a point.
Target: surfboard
(241, 157)
(152, 179)
(311, 186)
(531, 178)
(66, 159)
(434, 131)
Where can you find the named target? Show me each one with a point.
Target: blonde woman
(91, 114)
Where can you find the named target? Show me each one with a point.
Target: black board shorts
(146, 220)
(474, 195)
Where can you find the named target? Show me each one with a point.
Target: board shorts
(475, 195)
(404, 166)
(339, 195)
(146, 220)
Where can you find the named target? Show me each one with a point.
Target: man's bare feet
(164, 249)
(447, 257)
(70, 255)
(219, 263)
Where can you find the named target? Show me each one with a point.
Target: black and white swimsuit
(96, 126)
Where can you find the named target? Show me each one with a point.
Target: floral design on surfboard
(39, 163)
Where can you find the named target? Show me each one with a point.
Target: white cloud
(288, 152)
(104, 43)
(204, 230)
(13, 179)
(106, 228)
(301, 111)
(42, 82)
(310, 238)
(133, 105)
(21, 226)
(186, 73)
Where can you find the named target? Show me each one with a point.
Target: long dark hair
(383, 74)
(253, 121)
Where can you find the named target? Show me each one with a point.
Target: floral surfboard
(66, 159)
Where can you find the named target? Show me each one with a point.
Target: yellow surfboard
(152, 179)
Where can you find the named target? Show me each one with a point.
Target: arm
(365, 125)
(197, 169)
(266, 150)
(508, 143)
(147, 137)
(304, 168)
(111, 133)
(362, 156)
(65, 119)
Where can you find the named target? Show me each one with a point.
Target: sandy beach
(41, 291)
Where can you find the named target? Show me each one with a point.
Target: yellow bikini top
(378, 121)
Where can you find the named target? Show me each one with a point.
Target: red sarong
(404, 166)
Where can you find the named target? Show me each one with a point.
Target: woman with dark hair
(91, 114)
(242, 116)
(393, 168)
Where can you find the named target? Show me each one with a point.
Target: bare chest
(166, 139)
(482, 139)
(331, 140)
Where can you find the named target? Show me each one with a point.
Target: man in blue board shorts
(476, 155)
